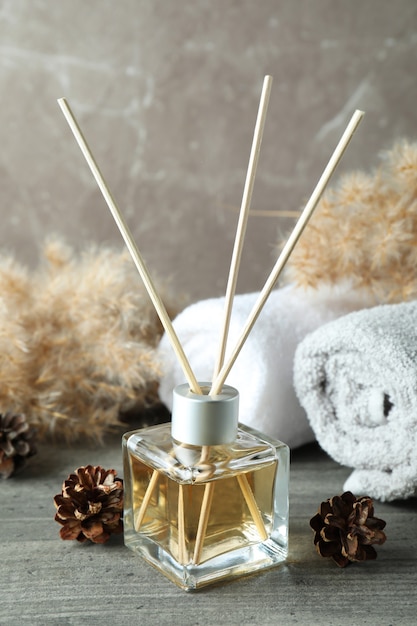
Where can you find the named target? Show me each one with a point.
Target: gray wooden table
(47, 581)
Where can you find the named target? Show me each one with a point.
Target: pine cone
(345, 529)
(16, 443)
(90, 505)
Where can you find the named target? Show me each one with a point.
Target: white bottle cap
(203, 420)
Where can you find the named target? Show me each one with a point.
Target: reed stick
(205, 508)
(243, 220)
(289, 246)
(146, 499)
(274, 213)
(247, 492)
(203, 521)
(182, 549)
(131, 246)
(266, 212)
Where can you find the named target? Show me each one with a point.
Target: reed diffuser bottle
(205, 499)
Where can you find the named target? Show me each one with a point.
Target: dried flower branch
(78, 339)
(365, 231)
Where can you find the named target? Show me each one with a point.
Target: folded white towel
(357, 380)
(263, 371)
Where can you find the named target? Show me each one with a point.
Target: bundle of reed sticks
(222, 366)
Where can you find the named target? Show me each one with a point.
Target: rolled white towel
(356, 377)
(263, 371)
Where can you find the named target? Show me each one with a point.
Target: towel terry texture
(263, 371)
(356, 377)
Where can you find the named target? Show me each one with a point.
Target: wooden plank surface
(46, 581)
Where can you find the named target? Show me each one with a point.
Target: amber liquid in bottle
(167, 485)
(230, 524)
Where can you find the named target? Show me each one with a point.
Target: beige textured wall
(167, 93)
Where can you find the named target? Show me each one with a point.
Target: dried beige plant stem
(274, 213)
(266, 212)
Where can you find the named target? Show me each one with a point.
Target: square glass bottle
(205, 499)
